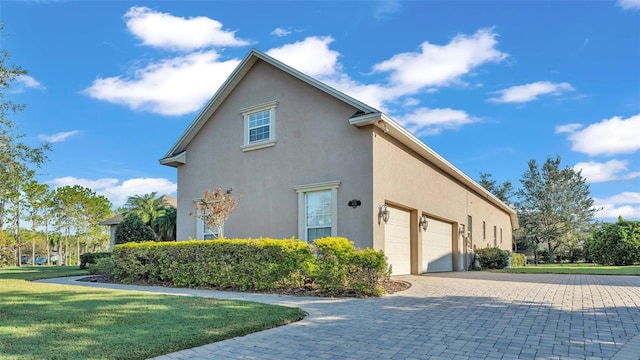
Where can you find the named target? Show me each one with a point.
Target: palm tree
(165, 223)
(153, 211)
(146, 206)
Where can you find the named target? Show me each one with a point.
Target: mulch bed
(388, 286)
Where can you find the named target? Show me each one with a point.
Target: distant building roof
(113, 221)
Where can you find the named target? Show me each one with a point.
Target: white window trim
(200, 227)
(302, 190)
(271, 106)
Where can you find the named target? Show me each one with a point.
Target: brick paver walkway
(474, 315)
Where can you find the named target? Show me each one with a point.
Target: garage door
(437, 254)
(397, 236)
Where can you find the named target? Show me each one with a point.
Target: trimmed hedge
(87, 259)
(518, 260)
(252, 264)
(492, 258)
(341, 269)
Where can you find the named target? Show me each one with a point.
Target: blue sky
(489, 85)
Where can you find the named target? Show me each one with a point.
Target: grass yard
(46, 321)
(585, 269)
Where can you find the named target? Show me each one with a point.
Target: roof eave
(394, 129)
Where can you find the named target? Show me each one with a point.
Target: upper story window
(259, 126)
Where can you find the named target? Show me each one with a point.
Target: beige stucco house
(310, 161)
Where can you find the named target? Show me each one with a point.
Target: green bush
(133, 229)
(341, 269)
(87, 259)
(518, 260)
(492, 258)
(253, 264)
(615, 243)
(104, 266)
(7, 257)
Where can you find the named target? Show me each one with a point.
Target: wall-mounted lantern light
(461, 230)
(423, 222)
(383, 214)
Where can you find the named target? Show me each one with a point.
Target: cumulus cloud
(608, 171)
(426, 121)
(174, 86)
(530, 92)
(58, 137)
(441, 65)
(118, 192)
(410, 73)
(280, 32)
(25, 82)
(311, 56)
(629, 4)
(626, 204)
(163, 30)
(608, 137)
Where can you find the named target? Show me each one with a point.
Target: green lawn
(585, 269)
(46, 321)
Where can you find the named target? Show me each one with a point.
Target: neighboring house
(113, 222)
(310, 161)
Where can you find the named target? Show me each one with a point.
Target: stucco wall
(404, 179)
(315, 143)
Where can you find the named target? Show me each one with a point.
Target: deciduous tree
(215, 207)
(554, 203)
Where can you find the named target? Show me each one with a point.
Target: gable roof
(366, 115)
(176, 154)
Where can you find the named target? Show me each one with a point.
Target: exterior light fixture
(461, 230)
(423, 222)
(383, 214)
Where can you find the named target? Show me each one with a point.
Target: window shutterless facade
(259, 126)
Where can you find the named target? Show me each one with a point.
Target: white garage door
(397, 236)
(437, 247)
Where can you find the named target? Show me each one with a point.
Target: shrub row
(87, 259)
(252, 264)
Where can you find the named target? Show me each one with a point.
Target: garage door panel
(437, 248)
(397, 242)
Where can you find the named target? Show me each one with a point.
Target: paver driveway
(474, 315)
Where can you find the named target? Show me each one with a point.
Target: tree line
(556, 217)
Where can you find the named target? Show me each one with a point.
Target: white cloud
(530, 92)
(626, 204)
(436, 65)
(425, 121)
(568, 128)
(608, 137)
(280, 32)
(58, 137)
(311, 56)
(608, 171)
(174, 86)
(24, 82)
(118, 192)
(629, 4)
(164, 30)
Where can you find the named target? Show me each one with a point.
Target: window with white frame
(259, 126)
(205, 233)
(317, 210)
